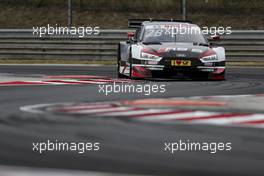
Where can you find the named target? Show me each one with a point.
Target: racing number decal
(181, 63)
(154, 33)
(158, 33)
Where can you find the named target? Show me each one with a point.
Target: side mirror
(130, 35)
(215, 37)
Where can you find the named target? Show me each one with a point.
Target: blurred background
(239, 14)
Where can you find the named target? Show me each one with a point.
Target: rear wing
(136, 23)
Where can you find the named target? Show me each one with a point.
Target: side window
(138, 32)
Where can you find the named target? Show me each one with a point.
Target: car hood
(179, 50)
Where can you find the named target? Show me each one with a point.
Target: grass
(114, 13)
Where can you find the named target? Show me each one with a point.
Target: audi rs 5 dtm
(169, 49)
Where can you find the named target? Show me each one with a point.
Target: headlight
(146, 56)
(210, 58)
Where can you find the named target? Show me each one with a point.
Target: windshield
(165, 33)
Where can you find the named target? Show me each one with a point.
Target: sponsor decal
(210, 58)
(182, 49)
(195, 50)
(175, 49)
(180, 55)
(207, 69)
(152, 62)
(181, 63)
(208, 64)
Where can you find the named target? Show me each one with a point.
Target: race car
(169, 49)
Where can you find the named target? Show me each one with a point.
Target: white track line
(177, 115)
(35, 109)
(134, 112)
(72, 82)
(92, 111)
(80, 107)
(33, 171)
(61, 82)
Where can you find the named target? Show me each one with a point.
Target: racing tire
(119, 75)
(130, 65)
(130, 71)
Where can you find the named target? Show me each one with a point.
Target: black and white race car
(169, 49)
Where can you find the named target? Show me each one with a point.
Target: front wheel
(130, 71)
(130, 67)
(119, 75)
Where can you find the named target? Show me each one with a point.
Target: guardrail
(241, 45)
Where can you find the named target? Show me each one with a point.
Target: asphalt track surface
(126, 147)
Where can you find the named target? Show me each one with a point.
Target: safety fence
(241, 45)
